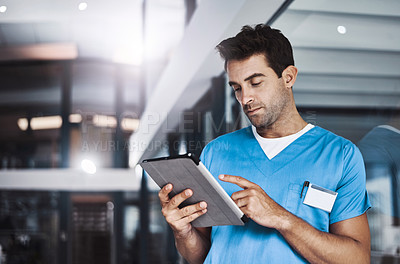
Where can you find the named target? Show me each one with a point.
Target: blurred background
(90, 88)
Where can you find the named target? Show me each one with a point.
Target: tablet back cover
(184, 173)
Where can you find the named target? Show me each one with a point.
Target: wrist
(183, 234)
(285, 221)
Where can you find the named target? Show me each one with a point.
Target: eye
(256, 84)
(236, 88)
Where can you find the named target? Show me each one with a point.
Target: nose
(246, 96)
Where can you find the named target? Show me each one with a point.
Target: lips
(252, 111)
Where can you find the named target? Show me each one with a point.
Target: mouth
(252, 111)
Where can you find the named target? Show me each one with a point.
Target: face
(262, 95)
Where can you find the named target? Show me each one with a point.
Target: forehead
(238, 70)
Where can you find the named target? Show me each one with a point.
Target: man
(273, 160)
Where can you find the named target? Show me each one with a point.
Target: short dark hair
(261, 39)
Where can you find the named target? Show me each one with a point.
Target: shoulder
(241, 133)
(344, 151)
(331, 138)
(348, 156)
(330, 135)
(231, 138)
(226, 143)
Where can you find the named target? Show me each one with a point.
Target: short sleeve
(352, 199)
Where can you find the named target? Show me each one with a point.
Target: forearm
(321, 247)
(193, 246)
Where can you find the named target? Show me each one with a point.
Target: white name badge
(319, 197)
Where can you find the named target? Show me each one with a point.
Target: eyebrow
(248, 78)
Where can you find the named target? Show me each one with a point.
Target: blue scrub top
(318, 156)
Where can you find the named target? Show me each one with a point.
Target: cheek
(276, 91)
(270, 99)
(266, 97)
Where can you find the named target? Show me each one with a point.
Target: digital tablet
(187, 171)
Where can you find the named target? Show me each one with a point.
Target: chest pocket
(314, 216)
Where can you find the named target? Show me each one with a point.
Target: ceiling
(108, 37)
(358, 69)
(104, 30)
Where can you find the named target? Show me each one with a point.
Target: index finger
(239, 181)
(163, 194)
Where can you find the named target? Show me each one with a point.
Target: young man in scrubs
(302, 187)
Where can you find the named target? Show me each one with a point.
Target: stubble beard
(264, 120)
(269, 115)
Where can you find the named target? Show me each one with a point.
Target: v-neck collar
(274, 146)
(269, 166)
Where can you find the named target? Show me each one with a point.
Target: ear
(289, 76)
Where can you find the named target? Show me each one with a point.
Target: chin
(260, 123)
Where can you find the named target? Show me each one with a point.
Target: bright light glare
(341, 29)
(129, 124)
(110, 206)
(46, 122)
(23, 124)
(3, 9)
(104, 121)
(88, 166)
(129, 55)
(82, 6)
(75, 118)
(40, 123)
